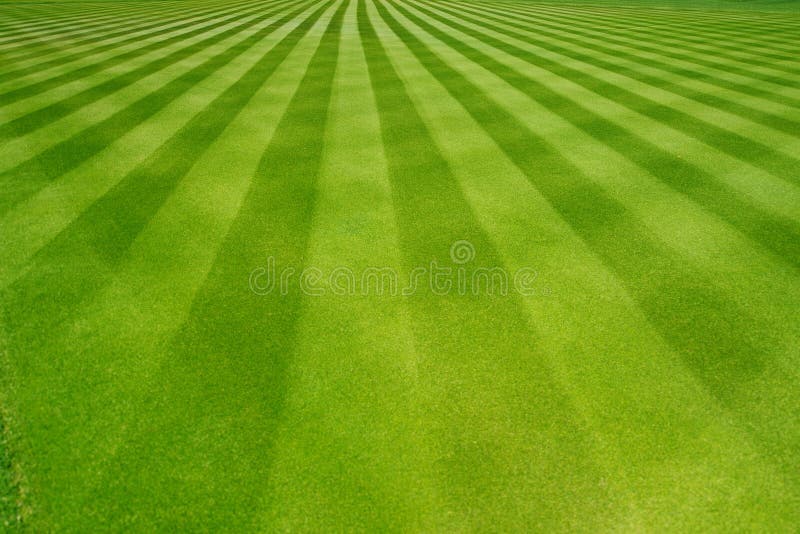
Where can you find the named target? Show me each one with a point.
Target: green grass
(637, 157)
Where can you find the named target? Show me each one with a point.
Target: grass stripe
(29, 177)
(62, 45)
(281, 196)
(614, 366)
(18, 16)
(22, 148)
(45, 37)
(37, 31)
(56, 23)
(741, 51)
(715, 58)
(70, 89)
(739, 146)
(60, 21)
(698, 236)
(651, 19)
(70, 13)
(783, 145)
(43, 277)
(625, 27)
(31, 224)
(41, 117)
(667, 11)
(716, 25)
(775, 233)
(66, 46)
(392, 484)
(214, 187)
(702, 247)
(515, 138)
(71, 47)
(432, 214)
(708, 330)
(719, 78)
(779, 121)
(636, 36)
(102, 234)
(193, 26)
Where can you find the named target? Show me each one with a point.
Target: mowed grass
(637, 159)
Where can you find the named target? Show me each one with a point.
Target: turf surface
(636, 160)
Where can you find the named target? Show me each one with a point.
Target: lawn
(400, 265)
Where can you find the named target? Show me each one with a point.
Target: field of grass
(220, 223)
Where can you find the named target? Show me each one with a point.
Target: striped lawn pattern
(639, 158)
